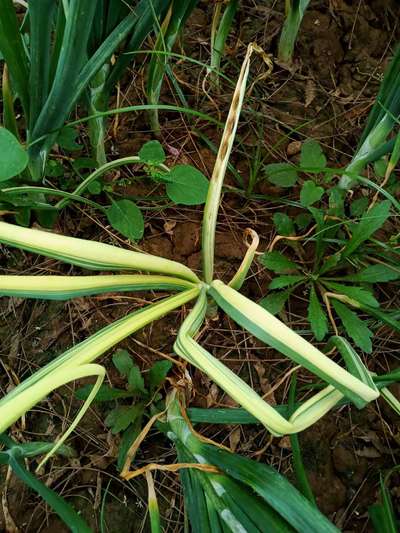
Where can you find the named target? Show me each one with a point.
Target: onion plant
(220, 28)
(169, 32)
(382, 121)
(353, 384)
(241, 494)
(79, 361)
(294, 12)
(62, 54)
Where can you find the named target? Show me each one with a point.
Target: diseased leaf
(104, 394)
(284, 224)
(186, 185)
(285, 281)
(152, 153)
(317, 317)
(13, 157)
(281, 174)
(158, 373)
(275, 301)
(312, 156)
(374, 274)
(277, 262)
(354, 326)
(310, 193)
(126, 217)
(370, 222)
(135, 380)
(122, 362)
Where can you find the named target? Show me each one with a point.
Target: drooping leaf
(281, 174)
(312, 156)
(310, 193)
(186, 185)
(370, 222)
(123, 362)
(277, 262)
(152, 153)
(275, 301)
(158, 372)
(126, 217)
(13, 158)
(355, 328)
(284, 224)
(316, 316)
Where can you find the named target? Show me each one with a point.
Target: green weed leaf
(135, 380)
(281, 174)
(67, 139)
(312, 156)
(374, 274)
(277, 262)
(359, 294)
(105, 393)
(275, 302)
(122, 416)
(359, 206)
(303, 220)
(128, 438)
(13, 158)
(370, 222)
(126, 217)
(317, 316)
(354, 326)
(285, 281)
(158, 373)
(284, 224)
(123, 362)
(152, 153)
(310, 193)
(186, 185)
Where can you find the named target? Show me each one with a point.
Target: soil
(342, 50)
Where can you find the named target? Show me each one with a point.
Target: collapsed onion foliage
(354, 384)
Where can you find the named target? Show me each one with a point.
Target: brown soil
(342, 50)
